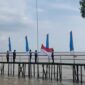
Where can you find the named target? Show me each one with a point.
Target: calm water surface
(21, 81)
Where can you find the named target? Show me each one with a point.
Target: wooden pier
(43, 70)
(56, 75)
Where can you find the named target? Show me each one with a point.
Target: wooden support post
(23, 71)
(34, 70)
(51, 71)
(8, 68)
(43, 71)
(37, 67)
(60, 72)
(81, 74)
(19, 69)
(37, 70)
(54, 71)
(77, 74)
(29, 69)
(2, 69)
(57, 73)
(46, 72)
(73, 73)
(13, 68)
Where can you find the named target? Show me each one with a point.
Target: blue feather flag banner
(27, 46)
(47, 41)
(9, 45)
(71, 42)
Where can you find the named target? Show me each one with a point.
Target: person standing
(35, 56)
(7, 56)
(52, 55)
(30, 55)
(14, 55)
(36, 61)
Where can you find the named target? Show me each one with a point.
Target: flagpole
(37, 36)
(37, 25)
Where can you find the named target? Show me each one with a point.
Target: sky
(55, 17)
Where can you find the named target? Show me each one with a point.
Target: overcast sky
(56, 17)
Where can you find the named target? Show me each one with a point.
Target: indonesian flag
(48, 51)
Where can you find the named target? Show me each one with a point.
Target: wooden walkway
(44, 70)
(49, 70)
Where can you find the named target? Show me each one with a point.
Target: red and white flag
(48, 51)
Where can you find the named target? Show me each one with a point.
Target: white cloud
(40, 10)
(17, 15)
(14, 15)
(63, 6)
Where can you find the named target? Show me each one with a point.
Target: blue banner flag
(27, 46)
(71, 42)
(9, 45)
(47, 41)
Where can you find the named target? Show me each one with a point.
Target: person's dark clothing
(14, 56)
(52, 55)
(36, 56)
(30, 55)
(7, 56)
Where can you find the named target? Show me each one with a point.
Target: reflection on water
(21, 81)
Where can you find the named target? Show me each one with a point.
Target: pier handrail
(43, 54)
